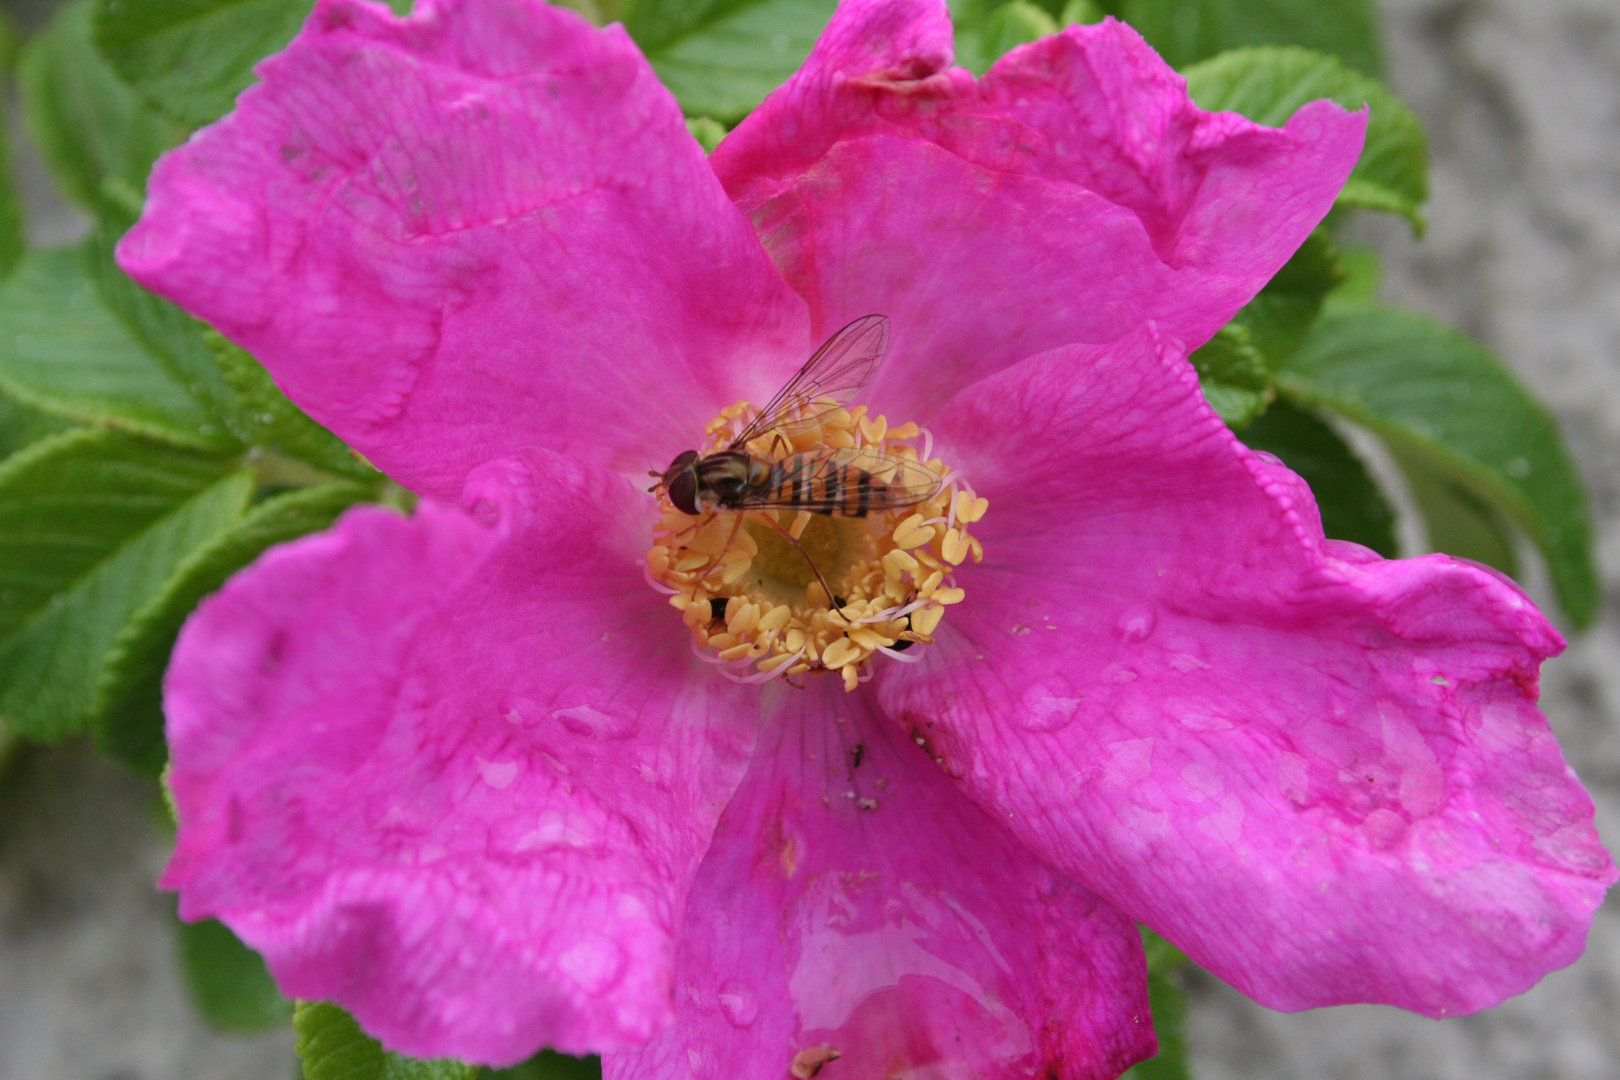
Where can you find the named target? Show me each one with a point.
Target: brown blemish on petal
(808, 1062)
(790, 856)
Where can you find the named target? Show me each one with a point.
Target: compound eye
(682, 492)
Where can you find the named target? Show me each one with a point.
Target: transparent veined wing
(844, 483)
(834, 374)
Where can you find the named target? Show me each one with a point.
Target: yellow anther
(926, 620)
(955, 547)
(841, 652)
(852, 676)
(869, 639)
(899, 562)
(970, 509)
(948, 596)
(742, 618)
(913, 533)
(774, 619)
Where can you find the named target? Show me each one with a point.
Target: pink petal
(853, 900)
(477, 229)
(456, 772)
(1321, 774)
(1072, 193)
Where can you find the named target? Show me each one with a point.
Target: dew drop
(1137, 623)
(738, 1003)
(596, 963)
(1044, 710)
(518, 711)
(557, 831)
(497, 774)
(701, 1061)
(585, 720)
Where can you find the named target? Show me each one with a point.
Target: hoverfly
(835, 482)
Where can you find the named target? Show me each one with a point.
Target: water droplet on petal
(556, 830)
(519, 711)
(701, 1061)
(1384, 828)
(596, 963)
(738, 1003)
(1046, 708)
(1137, 623)
(497, 774)
(586, 720)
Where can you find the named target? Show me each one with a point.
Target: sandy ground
(1522, 103)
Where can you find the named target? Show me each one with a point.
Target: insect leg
(731, 538)
(814, 569)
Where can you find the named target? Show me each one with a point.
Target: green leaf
(1433, 394)
(174, 338)
(263, 416)
(981, 43)
(549, 1065)
(1352, 506)
(1187, 31)
(93, 523)
(1168, 1003)
(721, 57)
(190, 58)
(1363, 277)
(707, 131)
(21, 425)
(129, 696)
(1080, 13)
(13, 239)
(228, 981)
(96, 135)
(11, 41)
(1233, 375)
(1161, 955)
(65, 350)
(1458, 522)
(1267, 84)
(332, 1047)
(1282, 314)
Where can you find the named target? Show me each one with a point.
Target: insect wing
(838, 370)
(845, 483)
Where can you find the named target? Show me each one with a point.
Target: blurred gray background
(1521, 99)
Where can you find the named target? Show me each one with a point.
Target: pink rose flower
(464, 772)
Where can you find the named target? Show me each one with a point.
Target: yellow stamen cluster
(750, 596)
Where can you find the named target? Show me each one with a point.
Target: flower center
(832, 499)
